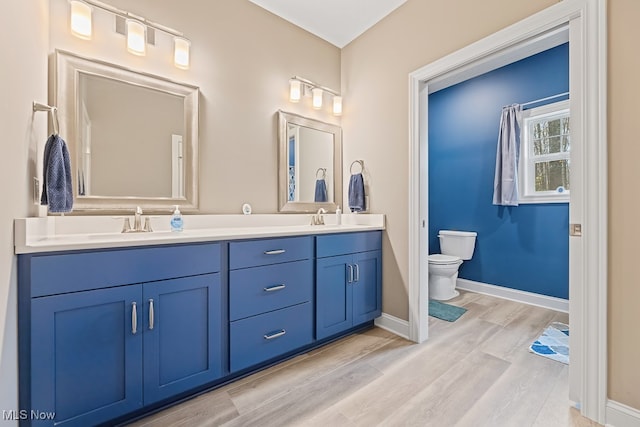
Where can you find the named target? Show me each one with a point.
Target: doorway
(588, 205)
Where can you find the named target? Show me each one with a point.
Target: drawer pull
(357, 278)
(275, 252)
(350, 279)
(275, 288)
(151, 314)
(273, 335)
(134, 318)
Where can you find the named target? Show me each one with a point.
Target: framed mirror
(132, 137)
(310, 164)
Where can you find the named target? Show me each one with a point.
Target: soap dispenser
(176, 220)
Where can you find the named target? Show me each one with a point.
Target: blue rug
(553, 343)
(443, 311)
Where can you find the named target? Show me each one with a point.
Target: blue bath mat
(553, 343)
(443, 311)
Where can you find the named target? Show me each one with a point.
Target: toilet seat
(440, 259)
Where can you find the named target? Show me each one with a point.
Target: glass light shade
(337, 105)
(295, 90)
(80, 19)
(317, 98)
(136, 37)
(181, 53)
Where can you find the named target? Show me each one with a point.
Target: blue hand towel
(356, 193)
(56, 185)
(321, 191)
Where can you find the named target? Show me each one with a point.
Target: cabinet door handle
(350, 267)
(134, 318)
(357, 279)
(275, 288)
(275, 252)
(151, 314)
(273, 335)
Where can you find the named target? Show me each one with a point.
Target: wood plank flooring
(476, 372)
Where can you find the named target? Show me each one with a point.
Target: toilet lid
(443, 259)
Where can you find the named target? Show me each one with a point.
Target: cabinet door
(333, 295)
(182, 335)
(86, 358)
(367, 286)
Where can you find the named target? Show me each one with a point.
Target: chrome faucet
(318, 219)
(137, 223)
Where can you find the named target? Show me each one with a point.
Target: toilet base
(448, 297)
(443, 288)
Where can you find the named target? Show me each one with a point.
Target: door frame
(587, 254)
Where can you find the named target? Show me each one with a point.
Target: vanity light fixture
(299, 87)
(136, 29)
(80, 19)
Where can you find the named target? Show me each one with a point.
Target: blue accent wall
(524, 247)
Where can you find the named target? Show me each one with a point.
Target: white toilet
(455, 246)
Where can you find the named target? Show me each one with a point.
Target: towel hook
(52, 110)
(324, 173)
(360, 162)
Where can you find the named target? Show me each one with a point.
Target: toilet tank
(457, 243)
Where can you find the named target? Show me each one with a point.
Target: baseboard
(530, 298)
(620, 415)
(393, 324)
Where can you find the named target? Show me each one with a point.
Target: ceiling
(336, 21)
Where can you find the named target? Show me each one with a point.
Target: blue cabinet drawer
(348, 243)
(260, 289)
(260, 338)
(269, 251)
(73, 271)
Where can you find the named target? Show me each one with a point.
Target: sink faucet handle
(126, 226)
(147, 224)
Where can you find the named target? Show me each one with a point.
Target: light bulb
(337, 105)
(181, 53)
(136, 37)
(295, 90)
(80, 19)
(317, 98)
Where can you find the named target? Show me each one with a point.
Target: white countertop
(33, 235)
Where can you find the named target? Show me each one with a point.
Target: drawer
(348, 243)
(260, 338)
(261, 289)
(269, 251)
(78, 271)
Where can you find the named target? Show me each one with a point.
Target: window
(545, 144)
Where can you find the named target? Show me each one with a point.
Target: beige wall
(23, 45)
(375, 70)
(624, 202)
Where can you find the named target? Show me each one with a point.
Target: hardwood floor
(476, 372)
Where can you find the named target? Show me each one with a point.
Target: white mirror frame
(67, 68)
(284, 120)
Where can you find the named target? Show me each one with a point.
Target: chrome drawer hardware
(151, 314)
(275, 334)
(350, 273)
(275, 252)
(134, 318)
(357, 279)
(275, 288)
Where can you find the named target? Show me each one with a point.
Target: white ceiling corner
(336, 21)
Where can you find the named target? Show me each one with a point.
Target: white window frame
(526, 166)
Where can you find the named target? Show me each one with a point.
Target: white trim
(525, 297)
(393, 324)
(620, 415)
(587, 19)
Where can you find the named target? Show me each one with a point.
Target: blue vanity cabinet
(117, 342)
(270, 299)
(348, 281)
